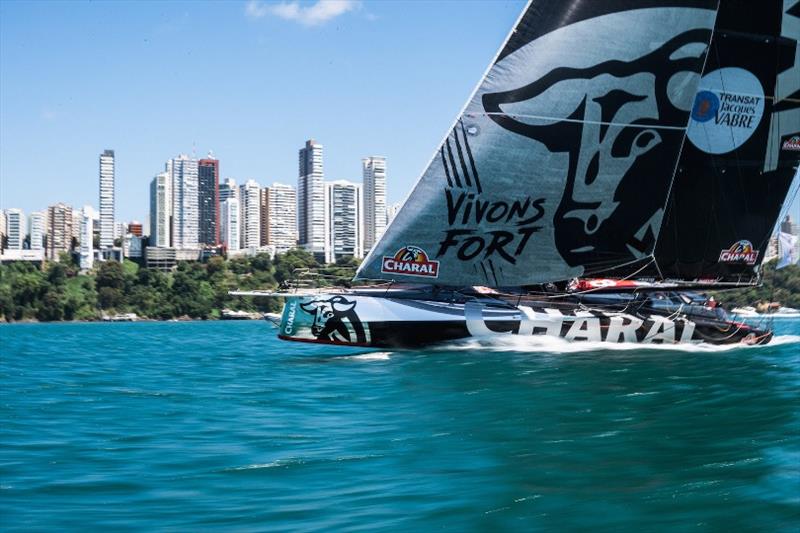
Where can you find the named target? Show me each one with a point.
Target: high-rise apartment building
(161, 211)
(38, 228)
(391, 212)
(227, 190)
(16, 228)
(229, 224)
(183, 174)
(208, 201)
(343, 211)
(107, 168)
(59, 230)
(86, 259)
(374, 175)
(311, 199)
(279, 217)
(250, 209)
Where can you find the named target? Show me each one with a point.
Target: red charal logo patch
(741, 252)
(410, 261)
(792, 143)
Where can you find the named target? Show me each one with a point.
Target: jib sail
(561, 162)
(742, 148)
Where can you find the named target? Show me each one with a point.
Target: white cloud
(314, 14)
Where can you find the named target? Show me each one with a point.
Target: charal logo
(741, 252)
(410, 261)
(793, 143)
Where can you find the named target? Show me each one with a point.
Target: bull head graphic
(332, 317)
(620, 123)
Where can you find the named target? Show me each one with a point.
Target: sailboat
(615, 159)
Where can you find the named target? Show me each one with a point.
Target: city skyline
(106, 61)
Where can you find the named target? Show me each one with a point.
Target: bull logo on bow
(335, 320)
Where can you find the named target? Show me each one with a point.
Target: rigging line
(602, 288)
(582, 121)
(675, 169)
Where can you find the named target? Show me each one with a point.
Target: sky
(250, 81)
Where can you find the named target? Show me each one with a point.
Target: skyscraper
(161, 211)
(16, 228)
(229, 224)
(59, 230)
(279, 217)
(38, 229)
(343, 206)
(208, 200)
(86, 260)
(374, 175)
(250, 219)
(311, 199)
(107, 164)
(228, 189)
(3, 232)
(183, 174)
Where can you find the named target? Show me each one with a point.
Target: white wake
(557, 345)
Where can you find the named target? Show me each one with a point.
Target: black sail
(742, 148)
(561, 162)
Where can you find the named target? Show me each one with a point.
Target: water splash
(557, 345)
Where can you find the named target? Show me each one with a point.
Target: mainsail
(561, 162)
(742, 148)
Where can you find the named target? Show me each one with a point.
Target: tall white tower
(281, 217)
(38, 229)
(343, 209)
(374, 175)
(161, 210)
(311, 199)
(107, 164)
(86, 237)
(250, 219)
(16, 228)
(185, 206)
(229, 223)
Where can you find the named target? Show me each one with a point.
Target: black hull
(356, 319)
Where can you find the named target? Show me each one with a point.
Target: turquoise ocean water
(219, 426)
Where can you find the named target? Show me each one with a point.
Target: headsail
(561, 162)
(742, 148)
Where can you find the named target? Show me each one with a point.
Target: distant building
(279, 217)
(183, 174)
(86, 258)
(132, 246)
(160, 258)
(250, 219)
(374, 176)
(59, 230)
(343, 211)
(391, 211)
(228, 190)
(208, 201)
(38, 228)
(107, 169)
(161, 210)
(229, 224)
(135, 228)
(16, 228)
(311, 200)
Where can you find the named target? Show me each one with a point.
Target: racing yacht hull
(386, 321)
